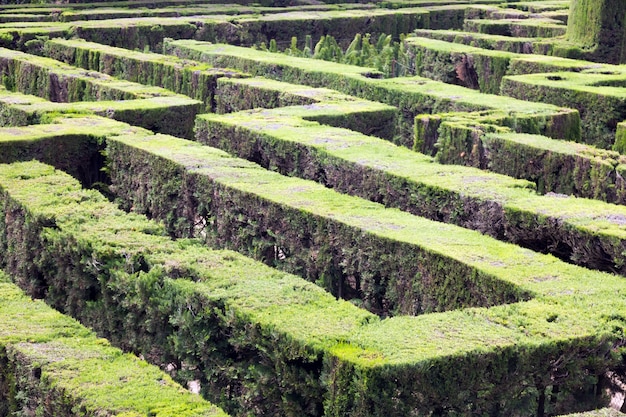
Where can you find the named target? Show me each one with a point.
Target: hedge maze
(313, 208)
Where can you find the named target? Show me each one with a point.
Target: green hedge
(598, 97)
(151, 107)
(412, 95)
(253, 336)
(263, 342)
(525, 28)
(597, 27)
(483, 69)
(345, 243)
(190, 78)
(379, 171)
(74, 145)
(171, 115)
(314, 104)
(52, 366)
(474, 139)
(480, 40)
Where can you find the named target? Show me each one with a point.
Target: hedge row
(188, 77)
(72, 145)
(480, 40)
(598, 96)
(474, 139)
(592, 89)
(150, 107)
(263, 347)
(150, 158)
(525, 28)
(483, 68)
(192, 79)
(251, 335)
(201, 9)
(584, 232)
(52, 366)
(344, 243)
(412, 95)
(248, 29)
(170, 114)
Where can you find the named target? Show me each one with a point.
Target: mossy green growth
(479, 40)
(597, 26)
(56, 365)
(315, 104)
(479, 68)
(526, 28)
(170, 114)
(60, 82)
(597, 96)
(370, 356)
(620, 138)
(89, 257)
(412, 95)
(558, 166)
(380, 171)
(197, 80)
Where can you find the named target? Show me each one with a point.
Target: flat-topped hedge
(238, 326)
(279, 219)
(341, 241)
(597, 96)
(172, 115)
(151, 107)
(196, 80)
(380, 171)
(483, 68)
(322, 105)
(525, 28)
(555, 166)
(72, 145)
(288, 354)
(59, 82)
(51, 365)
(413, 95)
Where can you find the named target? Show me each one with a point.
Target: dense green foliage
(51, 365)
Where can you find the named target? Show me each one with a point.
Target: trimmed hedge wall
(151, 107)
(192, 79)
(598, 97)
(321, 105)
(379, 171)
(344, 243)
(253, 336)
(563, 167)
(484, 69)
(412, 95)
(287, 355)
(52, 366)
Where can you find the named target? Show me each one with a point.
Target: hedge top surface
(68, 125)
(568, 308)
(610, 85)
(98, 377)
(396, 88)
(584, 218)
(273, 299)
(508, 262)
